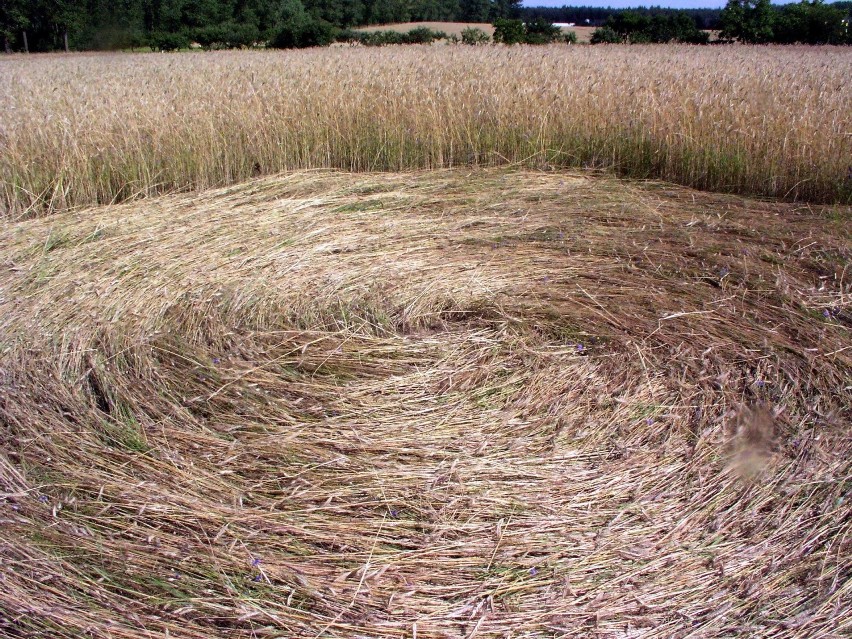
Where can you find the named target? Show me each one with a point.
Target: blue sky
(620, 4)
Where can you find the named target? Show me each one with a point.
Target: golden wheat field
(95, 129)
(335, 343)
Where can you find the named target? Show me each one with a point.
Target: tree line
(597, 16)
(748, 21)
(45, 25)
(806, 22)
(643, 28)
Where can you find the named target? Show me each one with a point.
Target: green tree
(434, 10)
(474, 36)
(264, 15)
(509, 31)
(389, 11)
(505, 9)
(541, 31)
(810, 23)
(337, 12)
(474, 11)
(629, 23)
(168, 41)
(13, 20)
(675, 26)
(65, 16)
(748, 21)
(606, 35)
(299, 29)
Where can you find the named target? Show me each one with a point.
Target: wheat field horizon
(82, 130)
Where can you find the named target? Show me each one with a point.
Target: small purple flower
(43, 499)
(394, 513)
(546, 279)
(649, 421)
(533, 571)
(216, 360)
(255, 562)
(826, 313)
(580, 348)
(257, 578)
(725, 270)
(760, 383)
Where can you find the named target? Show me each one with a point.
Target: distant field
(81, 130)
(450, 404)
(583, 33)
(447, 27)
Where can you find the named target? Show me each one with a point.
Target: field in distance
(456, 28)
(445, 403)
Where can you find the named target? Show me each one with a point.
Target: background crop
(95, 129)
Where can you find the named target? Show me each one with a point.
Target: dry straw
(450, 404)
(95, 129)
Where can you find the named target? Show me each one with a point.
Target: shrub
(697, 37)
(167, 41)
(114, 38)
(571, 37)
(382, 38)
(302, 31)
(474, 36)
(137, 40)
(229, 35)
(508, 31)
(424, 35)
(208, 37)
(350, 35)
(679, 27)
(628, 23)
(606, 35)
(540, 31)
(419, 35)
